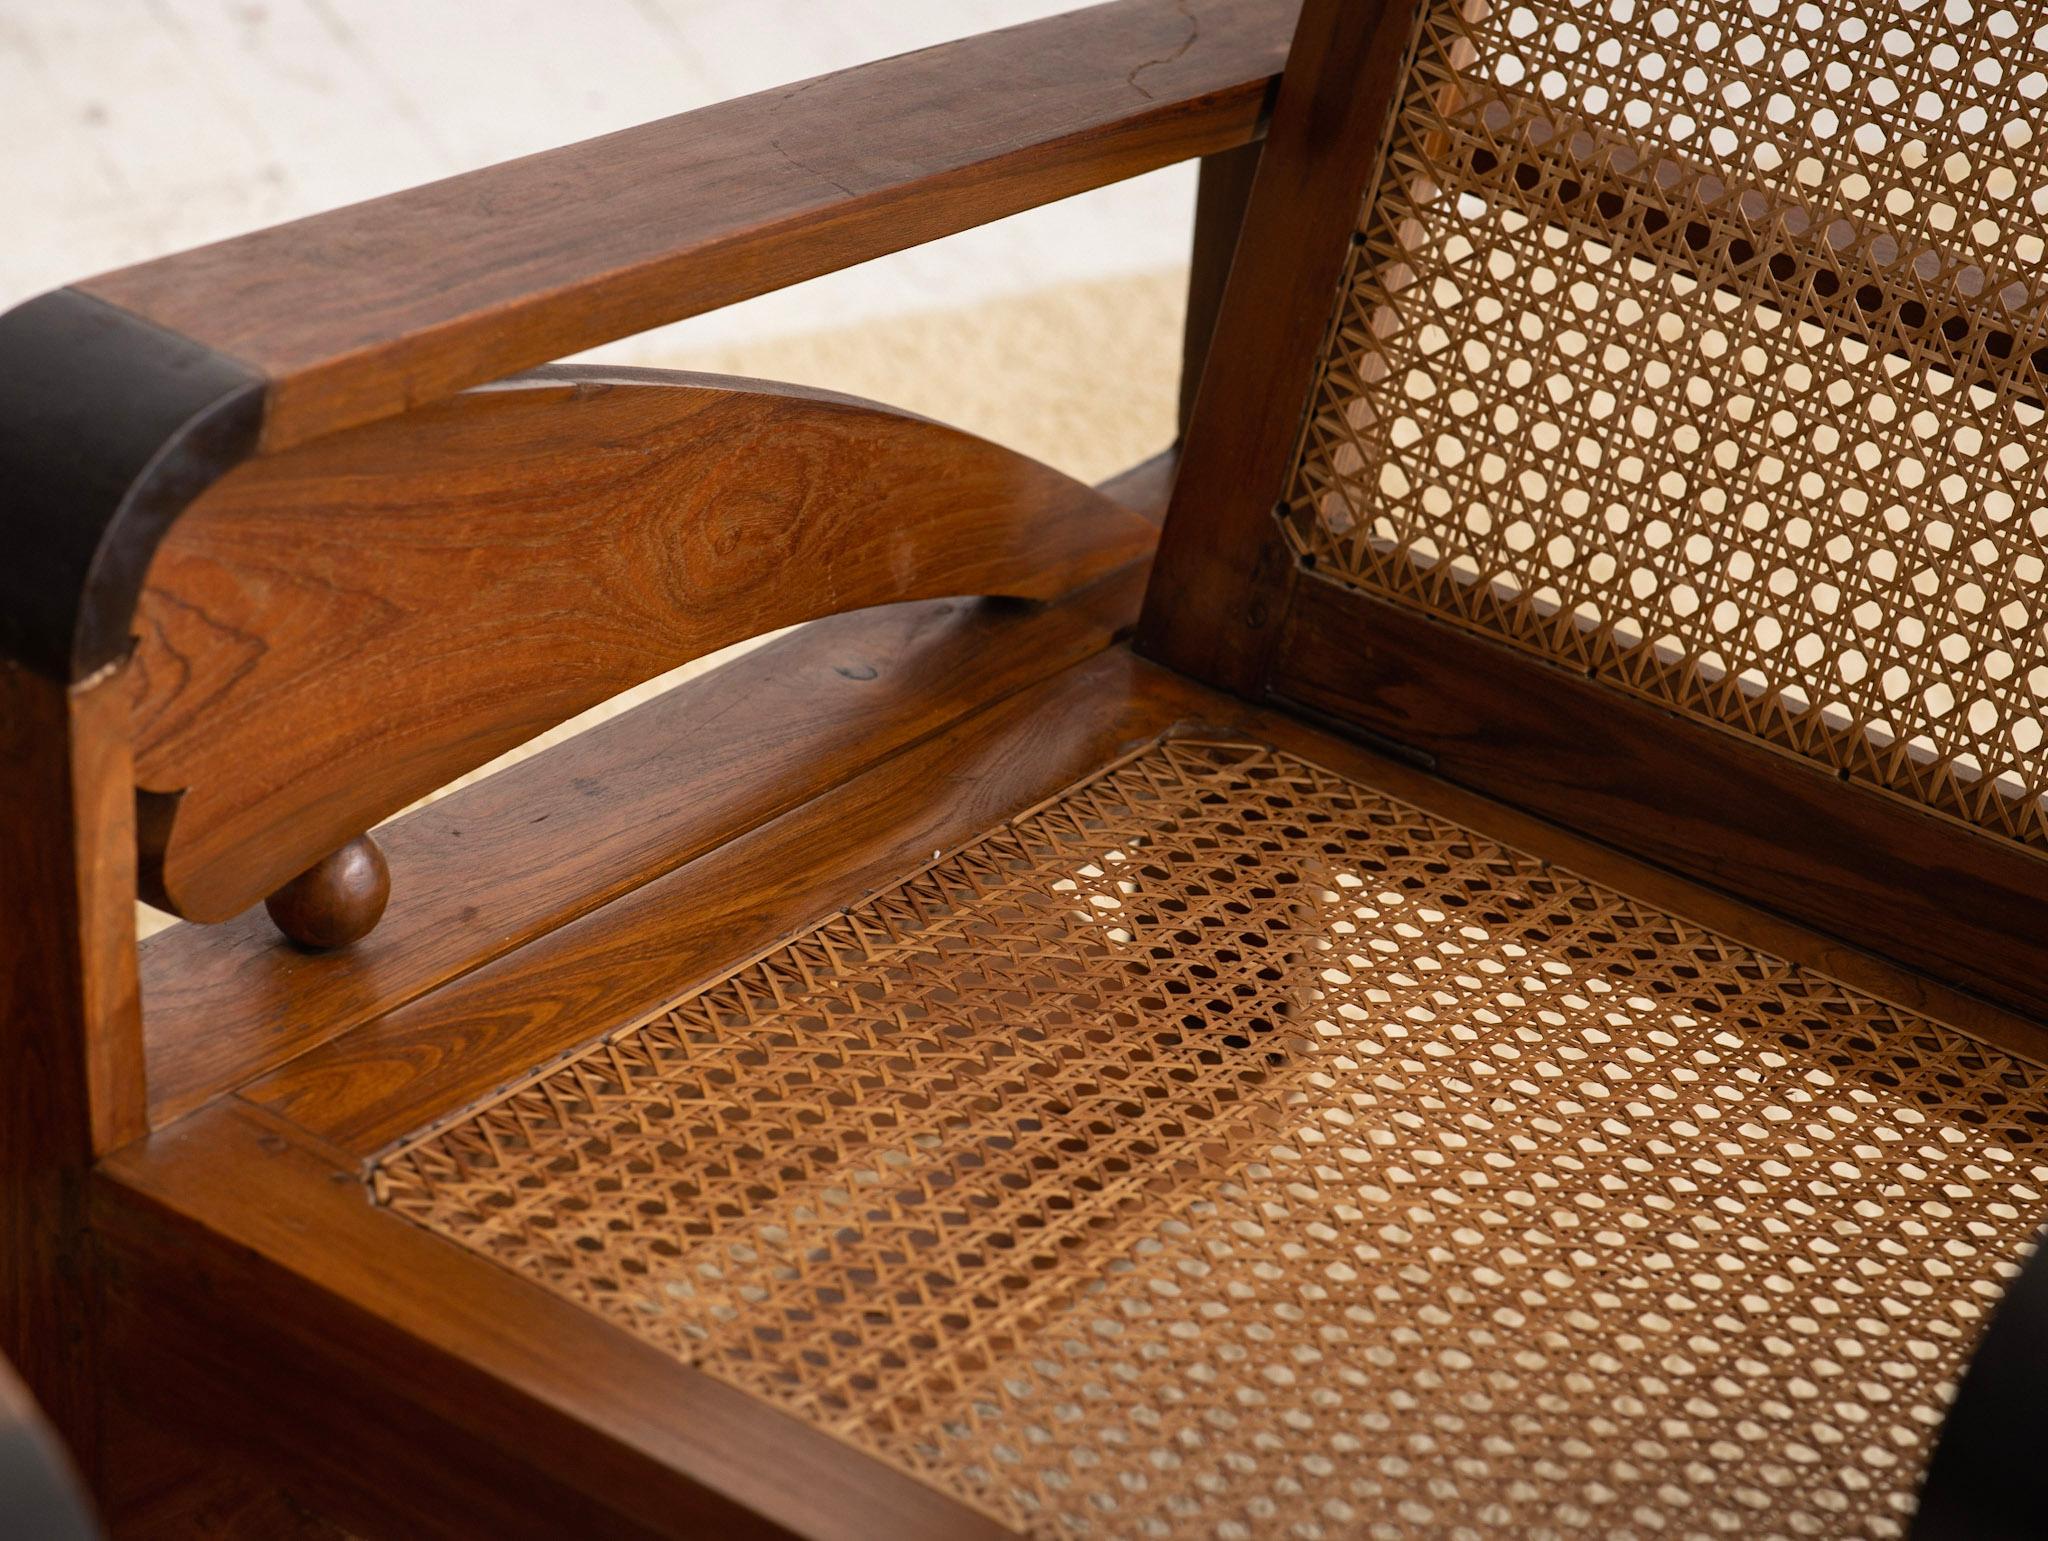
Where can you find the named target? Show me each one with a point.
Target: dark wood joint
(109, 427)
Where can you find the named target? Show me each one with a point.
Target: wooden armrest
(361, 312)
(123, 397)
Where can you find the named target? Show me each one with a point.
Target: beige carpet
(1083, 376)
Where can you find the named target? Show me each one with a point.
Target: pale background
(132, 128)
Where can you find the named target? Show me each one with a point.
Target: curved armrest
(124, 397)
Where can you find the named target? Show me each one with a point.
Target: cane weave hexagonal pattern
(1699, 345)
(1227, 1149)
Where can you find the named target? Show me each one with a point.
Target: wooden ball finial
(337, 900)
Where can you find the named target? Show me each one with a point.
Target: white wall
(136, 127)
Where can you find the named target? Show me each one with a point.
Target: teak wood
(1041, 1041)
(1861, 865)
(337, 900)
(344, 1104)
(630, 520)
(72, 1050)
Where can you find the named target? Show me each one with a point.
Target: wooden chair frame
(233, 638)
(239, 354)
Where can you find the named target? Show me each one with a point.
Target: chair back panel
(1698, 348)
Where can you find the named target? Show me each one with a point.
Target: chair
(1489, 986)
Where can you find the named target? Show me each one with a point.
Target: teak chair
(1494, 991)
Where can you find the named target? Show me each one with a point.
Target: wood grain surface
(420, 1391)
(409, 1067)
(259, 1196)
(71, 1058)
(578, 824)
(332, 632)
(1224, 575)
(361, 1092)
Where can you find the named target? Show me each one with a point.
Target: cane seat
(1224, 1147)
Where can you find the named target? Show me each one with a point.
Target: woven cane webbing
(1226, 1149)
(1699, 344)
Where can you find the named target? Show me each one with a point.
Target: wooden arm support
(121, 398)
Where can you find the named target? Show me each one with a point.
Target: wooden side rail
(333, 631)
(362, 312)
(124, 396)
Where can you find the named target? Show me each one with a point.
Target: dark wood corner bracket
(109, 426)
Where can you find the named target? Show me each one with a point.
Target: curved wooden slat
(122, 397)
(331, 632)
